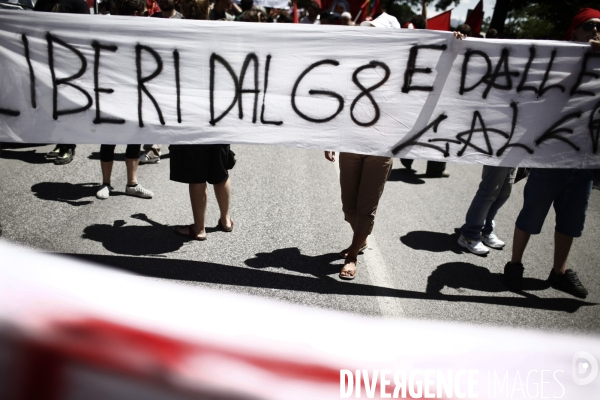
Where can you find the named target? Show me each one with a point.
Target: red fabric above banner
(475, 18)
(440, 22)
(295, 11)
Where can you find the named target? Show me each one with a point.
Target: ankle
(350, 259)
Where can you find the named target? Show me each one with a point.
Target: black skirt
(199, 163)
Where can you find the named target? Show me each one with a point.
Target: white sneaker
(492, 241)
(138, 191)
(145, 159)
(104, 192)
(474, 246)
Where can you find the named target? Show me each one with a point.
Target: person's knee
(503, 196)
(569, 230)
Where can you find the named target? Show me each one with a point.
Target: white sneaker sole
(138, 194)
(494, 247)
(466, 246)
(150, 160)
(141, 196)
(102, 196)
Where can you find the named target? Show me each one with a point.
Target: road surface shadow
(461, 276)
(407, 176)
(5, 145)
(436, 242)
(151, 240)
(30, 156)
(198, 271)
(70, 193)
(292, 260)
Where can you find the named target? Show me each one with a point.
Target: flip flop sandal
(349, 277)
(221, 228)
(360, 251)
(191, 233)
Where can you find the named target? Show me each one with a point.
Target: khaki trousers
(362, 179)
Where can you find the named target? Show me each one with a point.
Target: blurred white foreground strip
(71, 330)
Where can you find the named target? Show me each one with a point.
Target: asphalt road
(289, 228)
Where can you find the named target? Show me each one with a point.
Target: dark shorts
(107, 152)
(199, 163)
(567, 189)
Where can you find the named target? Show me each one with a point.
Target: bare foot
(227, 226)
(348, 271)
(190, 232)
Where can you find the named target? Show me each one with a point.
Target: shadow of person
(30, 156)
(65, 192)
(5, 145)
(406, 176)
(291, 259)
(256, 277)
(436, 242)
(468, 276)
(460, 276)
(135, 240)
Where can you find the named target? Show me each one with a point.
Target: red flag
(296, 21)
(374, 9)
(362, 13)
(440, 22)
(475, 18)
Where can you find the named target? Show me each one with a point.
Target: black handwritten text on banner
(409, 93)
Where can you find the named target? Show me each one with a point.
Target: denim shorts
(567, 189)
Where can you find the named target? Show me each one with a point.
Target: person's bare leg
(106, 167)
(520, 240)
(345, 251)
(198, 198)
(562, 247)
(363, 245)
(349, 268)
(132, 168)
(223, 195)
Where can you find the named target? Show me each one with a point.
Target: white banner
(281, 4)
(409, 93)
(140, 342)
